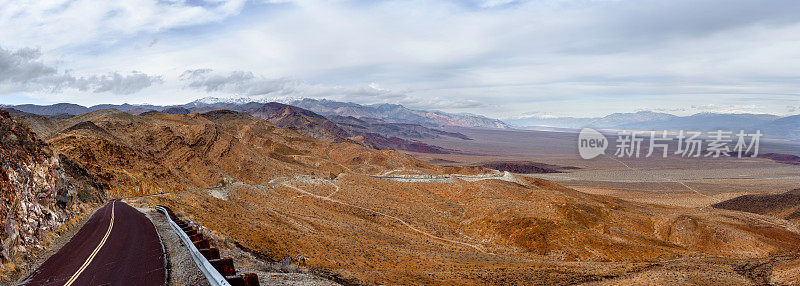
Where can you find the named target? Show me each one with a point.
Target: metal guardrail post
(211, 273)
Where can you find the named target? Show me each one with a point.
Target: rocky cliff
(39, 190)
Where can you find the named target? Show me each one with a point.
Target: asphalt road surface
(118, 245)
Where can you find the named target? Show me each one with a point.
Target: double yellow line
(97, 249)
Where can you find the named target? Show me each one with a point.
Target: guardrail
(219, 272)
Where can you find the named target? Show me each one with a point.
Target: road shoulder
(181, 269)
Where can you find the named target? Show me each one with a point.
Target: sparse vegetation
(281, 194)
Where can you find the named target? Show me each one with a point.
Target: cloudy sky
(500, 58)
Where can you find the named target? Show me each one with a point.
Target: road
(118, 245)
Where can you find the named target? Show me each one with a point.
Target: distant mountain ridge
(398, 114)
(771, 125)
(75, 109)
(620, 119)
(375, 115)
(393, 113)
(375, 134)
(405, 130)
(706, 121)
(608, 121)
(54, 109)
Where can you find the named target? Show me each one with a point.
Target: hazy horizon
(513, 120)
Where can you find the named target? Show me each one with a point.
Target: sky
(498, 58)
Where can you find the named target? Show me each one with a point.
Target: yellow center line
(97, 249)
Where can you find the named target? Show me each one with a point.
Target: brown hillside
(160, 152)
(289, 116)
(377, 231)
(785, 206)
(286, 195)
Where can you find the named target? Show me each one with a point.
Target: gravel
(181, 269)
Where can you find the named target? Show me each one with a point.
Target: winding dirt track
(401, 221)
(118, 245)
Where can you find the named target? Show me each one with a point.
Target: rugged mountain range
(392, 113)
(290, 116)
(402, 130)
(374, 133)
(383, 114)
(398, 114)
(320, 127)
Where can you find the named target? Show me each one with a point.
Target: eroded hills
(284, 185)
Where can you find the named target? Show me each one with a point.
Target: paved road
(118, 245)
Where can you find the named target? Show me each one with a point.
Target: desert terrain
(436, 142)
(674, 180)
(360, 216)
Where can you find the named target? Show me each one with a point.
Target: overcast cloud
(21, 71)
(498, 58)
(244, 85)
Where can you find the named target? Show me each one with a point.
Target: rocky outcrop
(37, 192)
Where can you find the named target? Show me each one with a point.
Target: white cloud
(21, 70)
(117, 83)
(22, 66)
(244, 86)
(495, 3)
(726, 108)
(62, 23)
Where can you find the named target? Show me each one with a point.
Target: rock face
(37, 194)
